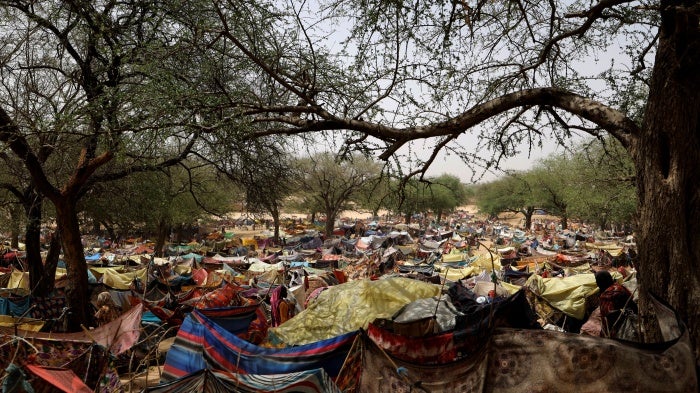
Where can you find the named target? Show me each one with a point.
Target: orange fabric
(63, 379)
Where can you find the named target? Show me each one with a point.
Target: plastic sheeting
(347, 307)
(113, 279)
(20, 279)
(567, 294)
(444, 311)
(482, 262)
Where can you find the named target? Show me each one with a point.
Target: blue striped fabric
(201, 343)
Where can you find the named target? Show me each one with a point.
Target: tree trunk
(407, 218)
(163, 230)
(564, 221)
(96, 228)
(77, 298)
(528, 212)
(50, 264)
(32, 240)
(15, 212)
(666, 156)
(330, 223)
(110, 231)
(275, 213)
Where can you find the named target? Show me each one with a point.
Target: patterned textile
(612, 301)
(247, 322)
(64, 380)
(207, 381)
(201, 344)
(117, 336)
(517, 360)
(48, 307)
(351, 372)
(89, 362)
(227, 296)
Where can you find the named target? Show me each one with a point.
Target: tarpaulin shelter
(202, 344)
(521, 360)
(215, 381)
(351, 306)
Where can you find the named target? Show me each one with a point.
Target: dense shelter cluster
(464, 305)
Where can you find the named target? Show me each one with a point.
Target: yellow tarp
(455, 256)
(116, 280)
(567, 294)
(98, 272)
(183, 269)
(20, 279)
(27, 324)
(482, 262)
(347, 307)
(614, 250)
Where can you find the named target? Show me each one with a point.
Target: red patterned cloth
(229, 295)
(612, 301)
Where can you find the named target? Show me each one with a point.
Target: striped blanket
(208, 381)
(201, 344)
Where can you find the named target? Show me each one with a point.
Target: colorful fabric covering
(471, 335)
(62, 379)
(201, 343)
(48, 307)
(22, 323)
(567, 294)
(246, 322)
(89, 362)
(227, 296)
(113, 279)
(208, 381)
(351, 306)
(14, 306)
(117, 336)
(519, 360)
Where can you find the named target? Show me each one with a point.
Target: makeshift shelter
(205, 381)
(348, 307)
(202, 344)
(518, 360)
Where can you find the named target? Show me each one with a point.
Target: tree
(512, 193)
(264, 171)
(446, 193)
(553, 185)
(602, 185)
(158, 203)
(509, 74)
(330, 183)
(120, 102)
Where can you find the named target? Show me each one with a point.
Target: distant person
(614, 300)
(107, 310)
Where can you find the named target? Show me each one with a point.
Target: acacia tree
(602, 187)
(264, 171)
(512, 193)
(508, 74)
(446, 194)
(122, 103)
(552, 181)
(331, 183)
